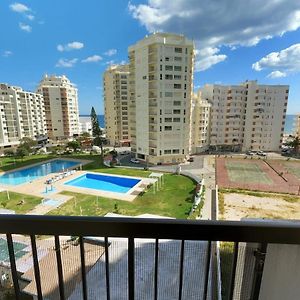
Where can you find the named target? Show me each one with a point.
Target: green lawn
(29, 202)
(173, 200)
(246, 173)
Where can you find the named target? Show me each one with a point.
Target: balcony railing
(192, 238)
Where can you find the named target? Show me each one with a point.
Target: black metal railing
(263, 233)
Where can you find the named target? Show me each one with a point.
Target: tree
(28, 143)
(22, 151)
(96, 131)
(85, 135)
(9, 152)
(295, 143)
(74, 145)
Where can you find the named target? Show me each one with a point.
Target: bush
(9, 153)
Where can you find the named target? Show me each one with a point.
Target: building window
(176, 111)
(177, 68)
(168, 68)
(167, 151)
(177, 103)
(177, 86)
(168, 76)
(178, 50)
(176, 119)
(177, 77)
(168, 119)
(168, 94)
(175, 151)
(168, 128)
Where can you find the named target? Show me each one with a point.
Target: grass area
(246, 173)
(9, 163)
(173, 200)
(14, 203)
(221, 204)
(288, 198)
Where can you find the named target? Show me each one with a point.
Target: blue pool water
(35, 172)
(104, 182)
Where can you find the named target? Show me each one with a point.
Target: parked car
(249, 152)
(135, 161)
(261, 153)
(191, 159)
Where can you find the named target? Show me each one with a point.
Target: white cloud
(25, 27)
(212, 24)
(276, 74)
(207, 57)
(110, 52)
(30, 17)
(66, 63)
(70, 46)
(7, 53)
(280, 63)
(19, 7)
(93, 58)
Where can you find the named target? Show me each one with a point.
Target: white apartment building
(161, 81)
(297, 126)
(61, 106)
(116, 105)
(22, 114)
(200, 124)
(247, 116)
(85, 125)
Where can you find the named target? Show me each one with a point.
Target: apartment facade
(116, 105)
(161, 80)
(22, 114)
(200, 124)
(61, 106)
(297, 126)
(248, 116)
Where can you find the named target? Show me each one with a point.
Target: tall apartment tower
(161, 80)
(22, 114)
(247, 116)
(297, 126)
(116, 101)
(61, 106)
(200, 124)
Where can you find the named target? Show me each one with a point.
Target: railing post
(36, 268)
(260, 255)
(181, 269)
(59, 268)
(207, 268)
(131, 268)
(83, 273)
(13, 267)
(107, 269)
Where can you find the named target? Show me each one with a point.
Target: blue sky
(235, 40)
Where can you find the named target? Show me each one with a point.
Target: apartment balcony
(155, 258)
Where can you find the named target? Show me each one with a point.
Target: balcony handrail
(282, 232)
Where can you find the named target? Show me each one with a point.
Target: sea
(100, 120)
(288, 128)
(289, 124)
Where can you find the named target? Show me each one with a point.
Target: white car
(135, 161)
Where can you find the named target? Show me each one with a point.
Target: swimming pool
(18, 250)
(104, 182)
(37, 171)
